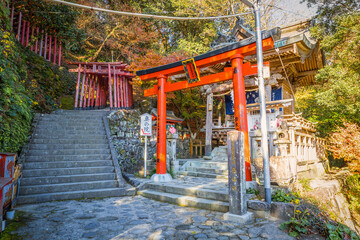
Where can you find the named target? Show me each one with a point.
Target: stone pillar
(209, 124)
(237, 179)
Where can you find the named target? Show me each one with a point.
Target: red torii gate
(100, 82)
(234, 53)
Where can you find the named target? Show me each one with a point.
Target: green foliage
(336, 97)
(352, 192)
(13, 225)
(281, 196)
(305, 182)
(252, 191)
(28, 83)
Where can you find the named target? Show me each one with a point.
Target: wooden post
(59, 59)
(55, 49)
(89, 92)
(93, 92)
(37, 40)
(131, 96)
(77, 87)
(110, 90)
(19, 27)
(27, 34)
(236, 169)
(31, 38)
(240, 114)
(118, 90)
(208, 124)
(97, 102)
(161, 127)
(23, 33)
(50, 43)
(122, 91)
(86, 90)
(82, 88)
(115, 89)
(46, 45)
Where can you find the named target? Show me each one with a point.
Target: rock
(258, 205)
(282, 210)
(108, 218)
(200, 235)
(85, 216)
(254, 232)
(92, 226)
(89, 235)
(183, 227)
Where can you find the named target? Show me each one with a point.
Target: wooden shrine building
(103, 84)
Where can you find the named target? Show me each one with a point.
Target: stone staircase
(205, 168)
(69, 158)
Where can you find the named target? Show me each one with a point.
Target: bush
(345, 143)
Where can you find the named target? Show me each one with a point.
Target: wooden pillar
(77, 87)
(50, 43)
(23, 32)
(122, 91)
(27, 34)
(59, 58)
(110, 90)
(82, 88)
(55, 49)
(161, 127)
(97, 102)
(131, 96)
(89, 92)
(208, 124)
(41, 43)
(19, 27)
(86, 90)
(37, 40)
(31, 38)
(92, 104)
(240, 108)
(46, 45)
(115, 89)
(118, 90)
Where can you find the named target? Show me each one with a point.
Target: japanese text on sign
(146, 125)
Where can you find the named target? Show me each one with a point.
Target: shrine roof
(170, 116)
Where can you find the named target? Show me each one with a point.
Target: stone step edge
(65, 184)
(186, 201)
(191, 191)
(78, 195)
(64, 162)
(204, 175)
(47, 169)
(66, 176)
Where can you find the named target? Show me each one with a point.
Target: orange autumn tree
(345, 143)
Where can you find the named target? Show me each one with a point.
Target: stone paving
(136, 218)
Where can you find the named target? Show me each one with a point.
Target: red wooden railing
(39, 40)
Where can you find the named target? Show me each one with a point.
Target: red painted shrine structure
(99, 83)
(233, 53)
(40, 41)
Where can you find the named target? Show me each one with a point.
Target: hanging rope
(141, 15)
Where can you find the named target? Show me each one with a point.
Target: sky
(294, 11)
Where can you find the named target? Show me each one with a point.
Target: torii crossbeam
(235, 53)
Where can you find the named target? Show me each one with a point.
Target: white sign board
(146, 125)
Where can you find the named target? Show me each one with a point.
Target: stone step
(67, 164)
(89, 112)
(186, 201)
(204, 175)
(94, 193)
(66, 171)
(67, 187)
(61, 118)
(73, 137)
(85, 157)
(189, 191)
(47, 146)
(207, 170)
(49, 153)
(70, 122)
(67, 179)
(70, 141)
(50, 131)
(209, 164)
(58, 127)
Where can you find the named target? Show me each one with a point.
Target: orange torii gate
(101, 82)
(235, 53)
